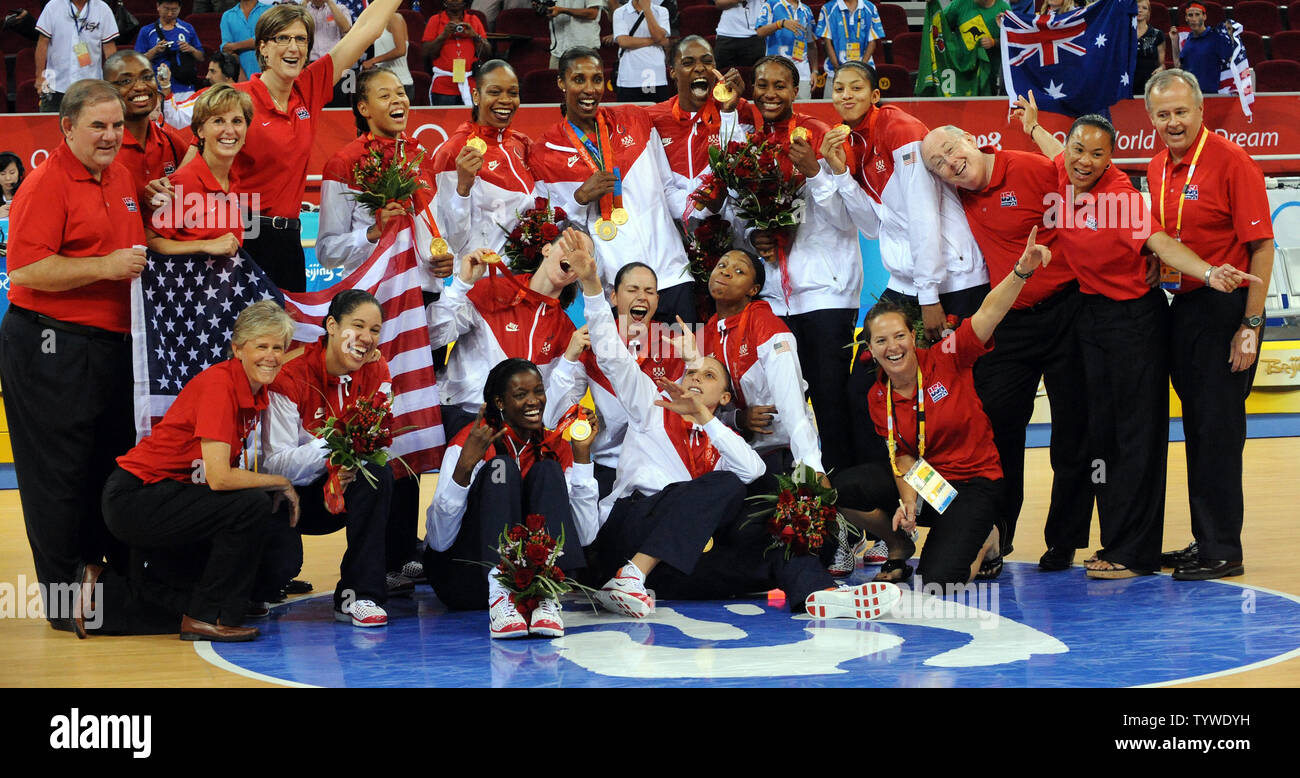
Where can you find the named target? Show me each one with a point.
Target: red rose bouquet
(536, 227)
(527, 568)
(385, 174)
(354, 439)
(801, 516)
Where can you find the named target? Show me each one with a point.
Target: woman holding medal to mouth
(605, 166)
(349, 231)
(483, 180)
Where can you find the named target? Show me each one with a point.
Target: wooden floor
(31, 654)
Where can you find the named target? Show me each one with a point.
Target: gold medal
(580, 430)
(490, 258)
(846, 128)
(439, 246)
(708, 546)
(477, 143)
(722, 93)
(618, 216)
(799, 132)
(606, 230)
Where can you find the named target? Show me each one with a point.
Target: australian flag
(1077, 62)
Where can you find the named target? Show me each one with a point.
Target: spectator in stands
(75, 41)
(1203, 51)
(641, 32)
(453, 42)
(223, 68)
(332, 23)
(164, 41)
(977, 21)
(1151, 48)
(789, 32)
(390, 54)
(491, 9)
(238, 25)
(574, 23)
(1058, 6)
(738, 43)
(850, 29)
(11, 175)
(213, 6)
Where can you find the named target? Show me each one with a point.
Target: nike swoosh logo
(266, 124)
(1257, 221)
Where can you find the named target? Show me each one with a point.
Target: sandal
(1112, 571)
(989, 569)
(894, 566)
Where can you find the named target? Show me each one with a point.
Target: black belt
(66, 326)
(1049, 302)
(280, 222)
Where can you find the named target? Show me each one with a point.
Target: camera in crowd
(458, 28)
(543, 7)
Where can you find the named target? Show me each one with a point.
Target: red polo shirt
(1002, 214)
(958, 435)
(453, 48)
(273, 162)
(217, 404)
(200, 209)
(1103, 237)
(61, 209)
(1225, 208)
(160, 155)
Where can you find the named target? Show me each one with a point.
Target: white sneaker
(363, 613)
(844, 563)
(546, 620)
(865, 602)
(875, 554)
(625, 594)
(505, 621)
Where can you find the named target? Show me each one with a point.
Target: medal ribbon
(870, 120)
(594, 156)
(890, 443)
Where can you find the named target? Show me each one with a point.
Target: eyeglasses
(126, 81)
(285, 40)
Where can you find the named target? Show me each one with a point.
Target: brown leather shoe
(193, 629)
(86, 576)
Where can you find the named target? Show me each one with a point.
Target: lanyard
(890, 443)
(79, 22)
(725, 341)
(596, 151)
(793, 11)
(1182, 197)
(850, 30)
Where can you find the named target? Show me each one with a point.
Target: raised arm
(999, 301)
(365, 30)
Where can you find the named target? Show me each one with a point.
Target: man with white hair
(1209, 194)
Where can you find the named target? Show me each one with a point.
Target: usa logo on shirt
(169, 168)
(130, 204)
(303, 113)
(937, 392)
(658, 372)
(744, 349)
(880, 165)
(628, 140)
(546, 347)
(1192, 191)
(1009, 200)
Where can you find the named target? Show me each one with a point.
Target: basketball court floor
(1031, 629)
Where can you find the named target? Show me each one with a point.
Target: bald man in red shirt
(65, 350)
(1004, 195)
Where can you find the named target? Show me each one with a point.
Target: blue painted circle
(1114, 633)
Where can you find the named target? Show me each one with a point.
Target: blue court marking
(1038, 630)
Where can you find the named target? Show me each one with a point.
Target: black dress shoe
(1182, 557)
(297, 587)
(1207, 569)
(1056, 558)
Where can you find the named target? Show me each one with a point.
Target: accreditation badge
(458, 70)
(855, 51)
(932, 487)
(82, 51)
(1170, 279)
(798, 54)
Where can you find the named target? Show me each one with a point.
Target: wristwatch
(1253, 322)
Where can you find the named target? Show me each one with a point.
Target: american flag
(1236, 76)
(183, 311)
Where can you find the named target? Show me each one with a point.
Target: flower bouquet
(355, 439)
(801, 516)
(385, 174)
(705, 245)
(527, 568)
(536, 227)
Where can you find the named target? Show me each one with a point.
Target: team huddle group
(700, 401)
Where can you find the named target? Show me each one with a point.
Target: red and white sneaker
(871, 552)
(545, 619)
(505, 621)
(363, 613)
(625, 594)
(865, 602)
